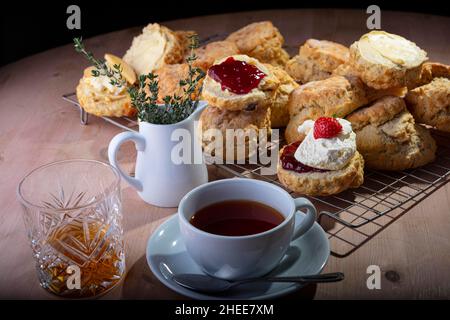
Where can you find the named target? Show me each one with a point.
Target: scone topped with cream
(384, 60)
(97, 95)
(329, 147)
(155, 46)
(238, 82)
(325, 162)
(335, 96)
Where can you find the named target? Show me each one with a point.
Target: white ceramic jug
(167, 166)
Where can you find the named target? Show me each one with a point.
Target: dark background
(28, 28)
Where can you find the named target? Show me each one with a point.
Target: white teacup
(242, 257)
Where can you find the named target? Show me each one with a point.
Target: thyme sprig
(144, 96)
(101, 67)
(175, 108)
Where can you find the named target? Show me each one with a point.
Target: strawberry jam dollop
(237, 76)
(288, 161)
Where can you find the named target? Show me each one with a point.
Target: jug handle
(114, 146)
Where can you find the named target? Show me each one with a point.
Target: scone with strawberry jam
(326, 162)
(239, 82)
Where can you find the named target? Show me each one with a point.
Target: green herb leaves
(101, 67)
(144, 96)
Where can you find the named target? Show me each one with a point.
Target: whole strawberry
(326, 127)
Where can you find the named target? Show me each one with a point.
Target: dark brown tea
(236, 218)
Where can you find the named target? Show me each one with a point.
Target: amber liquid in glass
(87, 245)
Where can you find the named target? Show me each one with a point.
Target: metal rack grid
(354, 216)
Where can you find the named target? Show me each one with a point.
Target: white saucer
(306, 256)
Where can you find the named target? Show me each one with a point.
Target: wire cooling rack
(354, 216)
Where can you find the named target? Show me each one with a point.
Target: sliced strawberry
(326, 127)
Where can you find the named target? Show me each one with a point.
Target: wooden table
(37, 127)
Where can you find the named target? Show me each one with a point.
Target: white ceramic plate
(306, 256)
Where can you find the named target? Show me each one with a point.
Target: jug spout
(195, 116)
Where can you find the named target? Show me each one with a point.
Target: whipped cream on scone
(102, 83)
(326, 153)
(390, 49)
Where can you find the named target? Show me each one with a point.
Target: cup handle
(114, 146)
(303, 222)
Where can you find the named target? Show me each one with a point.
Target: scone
(371, 93)
(389, 139)
(430, 71)
(238, 82)
(326, 162)
(236, 131)
(213, 51)
(345, 70)
(155, 46)
(304, 70)
(183, 38)
(430, 103)
(98, 96)
(383, 60)
(169, 77)
(336, 96)
(279, 114)
(317, 59)
(261, 40)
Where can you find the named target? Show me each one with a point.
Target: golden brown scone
(261, 40)
(213, 51)
(304, 70)
(279, 114)
(336, 96)
(225, 99)
(169, 77)
(383, 60)
(375, 94)
(316, 60)
(327, 54)
(388, 138)
(430, 71)
(245, 125)
(97, 96)
(324, 183)
(371, 93)
(183, 37)
(154, 47)
(430, 104)
(382, 111)
(345, 70)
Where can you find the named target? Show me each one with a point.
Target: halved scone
(238, 131)
(336, 96)
(383, 60)
(261, 40)
(388, 137)
(323, 183)
(155, 46)
(317, 59)
(98, 96)
(220, 96)
(430, 103)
